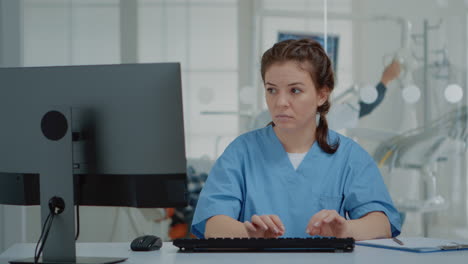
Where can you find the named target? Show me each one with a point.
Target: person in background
(295, 177)
(390, 73)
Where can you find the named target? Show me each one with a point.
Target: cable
(56, 207)
(385, 157)
(77, 201)
(43, 237)
(47, 226)
(77, 222)
(77, 194)
(40, 237)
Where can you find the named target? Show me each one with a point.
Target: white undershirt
(296, 158)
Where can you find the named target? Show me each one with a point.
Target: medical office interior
(417, 135)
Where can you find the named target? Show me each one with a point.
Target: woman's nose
(283, 100)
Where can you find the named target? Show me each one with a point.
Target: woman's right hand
(267, 226)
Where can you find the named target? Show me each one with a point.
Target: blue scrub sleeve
(365, 191)
(222, 193)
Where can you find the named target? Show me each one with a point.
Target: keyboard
(319, 244)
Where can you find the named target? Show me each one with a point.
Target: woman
(295, 178)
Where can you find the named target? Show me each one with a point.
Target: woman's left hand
(329, 223)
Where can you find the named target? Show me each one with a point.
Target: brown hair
(311, 57)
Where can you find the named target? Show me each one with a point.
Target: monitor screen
(332, 43)
(127, 124)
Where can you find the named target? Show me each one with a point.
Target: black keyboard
(320, 244)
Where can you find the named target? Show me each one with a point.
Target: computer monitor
(110, 135)
(333, 42)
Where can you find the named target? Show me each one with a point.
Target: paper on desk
(417, 244)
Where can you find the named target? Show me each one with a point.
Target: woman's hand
(267, 226)
(329, 223)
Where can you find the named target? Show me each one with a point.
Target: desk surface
(168, 255)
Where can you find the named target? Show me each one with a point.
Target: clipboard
(416, 244)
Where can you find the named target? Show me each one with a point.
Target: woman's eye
(295, 91)
(271, 90)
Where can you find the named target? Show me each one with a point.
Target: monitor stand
(56, 179)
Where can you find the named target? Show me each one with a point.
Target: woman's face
(292, 97)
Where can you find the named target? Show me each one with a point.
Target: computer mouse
(146, 243)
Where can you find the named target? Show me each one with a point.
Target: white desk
(168, 255)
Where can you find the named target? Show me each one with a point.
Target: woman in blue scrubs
(295, 177)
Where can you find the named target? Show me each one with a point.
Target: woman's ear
(323, 95)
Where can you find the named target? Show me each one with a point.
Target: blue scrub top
(255, 176)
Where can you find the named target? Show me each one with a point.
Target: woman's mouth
(282, 117)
